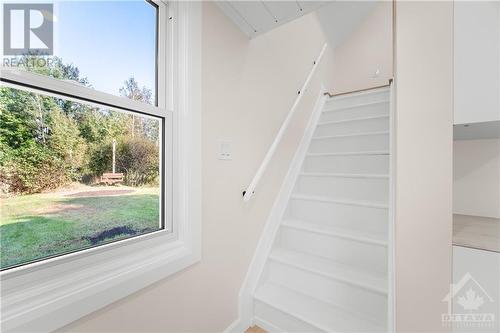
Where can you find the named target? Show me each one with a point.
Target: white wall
(476, 165)
(424, 136)
(476, 177)
(248, 86)
(366, 49)
(339, 19)
(477, 61)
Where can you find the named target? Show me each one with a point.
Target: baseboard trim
(237, 326)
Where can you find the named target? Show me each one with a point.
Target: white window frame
(46, 295)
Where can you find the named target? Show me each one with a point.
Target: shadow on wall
(361, 35)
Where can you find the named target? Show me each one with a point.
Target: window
(74, 174)
(46, 294)
(95, 51)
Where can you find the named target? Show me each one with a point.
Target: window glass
(100, 44)
(74, 176)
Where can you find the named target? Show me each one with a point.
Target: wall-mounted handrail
(329, 94)
(249, 192)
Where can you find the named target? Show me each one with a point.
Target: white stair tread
(343, 202)
(351, 234)
(336, 108)
(324, 316)
(368, 280)
(351, 120)
(343, 175)
(326, 137)
(350, 153)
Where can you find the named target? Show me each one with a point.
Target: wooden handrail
(249, 192)
(359, 90)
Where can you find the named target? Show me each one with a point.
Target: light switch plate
(225, 151)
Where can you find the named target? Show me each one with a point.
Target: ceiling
(257, 17)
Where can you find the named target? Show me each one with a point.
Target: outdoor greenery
(53, 152)
(47, 142)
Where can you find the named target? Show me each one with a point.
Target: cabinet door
(477, 271)
(477, 61)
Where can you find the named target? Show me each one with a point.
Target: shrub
(31, 169)
(100, 159)
(138, 159)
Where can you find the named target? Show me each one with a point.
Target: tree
(17, 124)
(40, 143)
(132, 90)
(53, 67)
(138, 158)
(46, 141)
(67, 144)
(142, 125)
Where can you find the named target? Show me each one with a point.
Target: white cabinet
(476, 275)
(477, 61)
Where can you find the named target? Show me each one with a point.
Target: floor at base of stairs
(255, 329)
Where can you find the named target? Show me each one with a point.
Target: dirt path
(99, 193)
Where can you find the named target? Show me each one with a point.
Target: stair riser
(362, 98)
(365, 189)
(339, 215)
(370, 110)
(280, 320)
(362, 255)
(374, 142)
(350, 127)
(358, 300)
(378, 164)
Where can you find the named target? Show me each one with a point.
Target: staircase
(327, 270)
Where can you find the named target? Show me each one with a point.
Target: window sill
(44, 298)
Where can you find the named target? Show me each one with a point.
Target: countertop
(476, 232)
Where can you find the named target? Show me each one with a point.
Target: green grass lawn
(41, 225)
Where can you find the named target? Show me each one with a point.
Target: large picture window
(68, 249)
(82, 135)
(74, 175)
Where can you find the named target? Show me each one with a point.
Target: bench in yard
(112, 178)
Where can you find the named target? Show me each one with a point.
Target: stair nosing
(326, 137)
(305, 320)
(361, 285)
(358, 105)
(344, 175)
(350, 153)
(299, 196)
(331, 233)
(351, 120)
